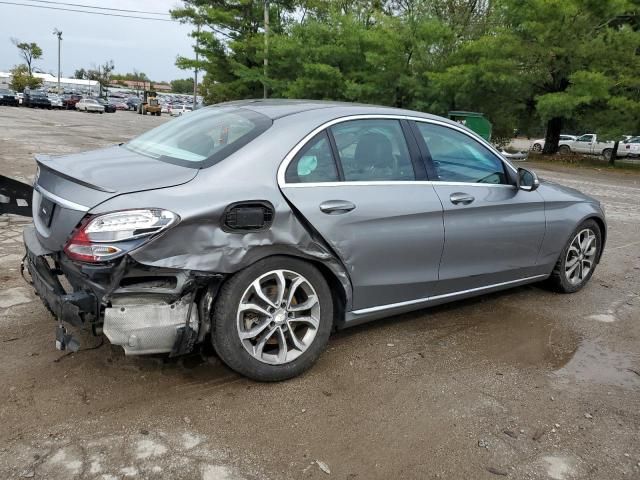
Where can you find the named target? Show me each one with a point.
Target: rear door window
(373, 150)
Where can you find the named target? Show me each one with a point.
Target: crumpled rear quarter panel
(198, 242)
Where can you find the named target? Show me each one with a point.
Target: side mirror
(527, 180)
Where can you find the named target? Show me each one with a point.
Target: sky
(90, 40)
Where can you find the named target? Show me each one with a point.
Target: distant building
(51, 81)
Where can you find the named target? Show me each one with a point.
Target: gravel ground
(524, 384)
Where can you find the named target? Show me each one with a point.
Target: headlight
(111, 235)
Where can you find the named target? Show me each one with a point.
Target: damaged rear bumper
(144, 310)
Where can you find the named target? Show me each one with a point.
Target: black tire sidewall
(559, 271)
(224, 331)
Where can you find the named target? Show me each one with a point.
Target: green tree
(182, 85)
(102, 75)
(21, 79)
(230, 44)
(29, 52)
(80, 74)
(534, 65)
(552, 61)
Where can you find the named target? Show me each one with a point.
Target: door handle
(336, 207)
(461, 198)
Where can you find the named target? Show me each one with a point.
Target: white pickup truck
(630, 147)
(589, 144)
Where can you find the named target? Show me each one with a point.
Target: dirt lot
(524, 384)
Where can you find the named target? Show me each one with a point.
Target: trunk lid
(69, 186)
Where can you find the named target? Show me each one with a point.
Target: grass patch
(588, 161)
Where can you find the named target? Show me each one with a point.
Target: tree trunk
(552, 137)
(614, 153)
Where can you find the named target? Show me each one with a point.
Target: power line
(85, 11)
(98, 8)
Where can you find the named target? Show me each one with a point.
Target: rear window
(202, 138)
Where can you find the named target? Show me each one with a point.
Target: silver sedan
(89, 105)
(262, 226)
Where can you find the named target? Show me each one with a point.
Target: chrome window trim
(379, 308)
(60, 201)
(394, 182)
(369, 116)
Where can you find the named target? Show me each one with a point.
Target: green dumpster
(474, 121)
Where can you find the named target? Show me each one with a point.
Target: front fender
(565, 209)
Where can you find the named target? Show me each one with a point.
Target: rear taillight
(105, 237)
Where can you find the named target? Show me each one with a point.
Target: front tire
(536, 147)
(273, 319)
(578, 259)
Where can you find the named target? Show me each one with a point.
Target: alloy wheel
(278, 317)
(581, 256)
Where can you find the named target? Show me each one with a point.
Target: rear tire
(578, 259)
(564, 150)
(284, 338)
(536, 147)
(607, 154)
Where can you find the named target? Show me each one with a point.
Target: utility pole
(266, 47)
(195, 75)
(58, 33)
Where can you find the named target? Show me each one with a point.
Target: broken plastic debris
(324, 467)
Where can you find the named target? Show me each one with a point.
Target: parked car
(538, 145)
(178, 110)
(132, 103)
(121, 105)
(69, 101)
(36, 99)
(515, 156)
(56, 101)
(109, 107)
(8, 97)
(588, 144)
(89, 105)
(341, 221)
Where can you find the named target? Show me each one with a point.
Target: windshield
(202, 138)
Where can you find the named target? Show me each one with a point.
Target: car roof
(278, 108)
